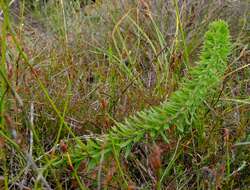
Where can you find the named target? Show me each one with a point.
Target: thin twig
(32, 125)
(36, 169)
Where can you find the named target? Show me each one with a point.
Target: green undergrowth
(124, 95)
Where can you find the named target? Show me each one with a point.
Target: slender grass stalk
(68, 77)
(3, 58)
(179, 24)
(164, 62)
(228, 158)
(170, 165)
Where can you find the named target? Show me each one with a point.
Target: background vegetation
(70, 70)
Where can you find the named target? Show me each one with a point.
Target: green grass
(72, 71)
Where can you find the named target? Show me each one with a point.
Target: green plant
(69, 72)
(179, 110)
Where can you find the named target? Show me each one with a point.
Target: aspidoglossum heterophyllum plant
(179, 110)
